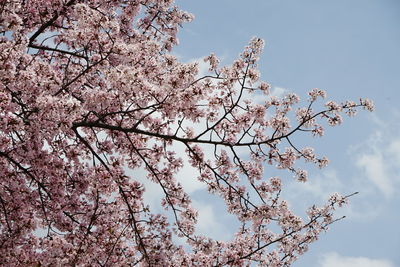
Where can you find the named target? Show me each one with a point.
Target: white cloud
(379, 159)
(187, 176)
(278, 91)
(375, 169)
(203, 67)
(209, 223)
(335, 260)
(153, 191)
(321, 185)
(394, 151)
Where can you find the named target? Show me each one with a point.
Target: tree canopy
(90, 89)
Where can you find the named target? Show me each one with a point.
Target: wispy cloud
(210, 223)
(188, 175)
(334, 260)
(278, 91)
(323, 184)
(379, 158)
(203, 66)
(376, 170)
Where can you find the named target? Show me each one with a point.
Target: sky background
(350, 49)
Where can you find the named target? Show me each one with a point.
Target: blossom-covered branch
(90, 89)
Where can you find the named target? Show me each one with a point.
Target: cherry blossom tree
(90, 89)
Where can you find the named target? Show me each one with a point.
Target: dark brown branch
(46, 48)
(48, 23)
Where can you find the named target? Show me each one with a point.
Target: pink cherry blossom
(91, 97)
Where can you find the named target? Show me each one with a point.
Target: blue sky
(351, 49)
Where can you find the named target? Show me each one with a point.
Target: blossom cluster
(89, 89)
